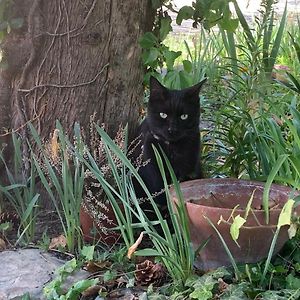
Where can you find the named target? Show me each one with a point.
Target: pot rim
(229, 181)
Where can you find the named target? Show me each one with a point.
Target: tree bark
(70, 59)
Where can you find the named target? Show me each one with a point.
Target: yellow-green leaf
(238, 222)
(286, 213)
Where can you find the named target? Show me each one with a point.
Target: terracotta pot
(93, 233)
(214, 198)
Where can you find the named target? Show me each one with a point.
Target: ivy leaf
(282, 294)
(109, 275)
(88, 252)
(238, 222)
(185, 13)
(236, 292)
(5, 226)
(148, 40)
(203, 286)
(201, 294)
(292, 282)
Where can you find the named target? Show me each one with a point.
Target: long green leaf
(268, 184)
(277, 42)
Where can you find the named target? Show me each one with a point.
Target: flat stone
(28, 271)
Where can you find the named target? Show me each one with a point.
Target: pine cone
(9, 216)
(147, 273)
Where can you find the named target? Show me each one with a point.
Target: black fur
(172, 123)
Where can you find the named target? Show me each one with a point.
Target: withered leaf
(133, 248)
(58, 242)
(2, 245)
(96, 266)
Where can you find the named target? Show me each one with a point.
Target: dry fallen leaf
(133, 248)
(57, 242)
(96, 266)
(2, 245)
(55, 145)
(93, 290)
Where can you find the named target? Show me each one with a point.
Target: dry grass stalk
(94, 200)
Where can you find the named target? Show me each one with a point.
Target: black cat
(172, 123)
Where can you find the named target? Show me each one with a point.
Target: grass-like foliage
(21, 191)
(174, 249)
(62, 176)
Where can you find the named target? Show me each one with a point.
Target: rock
(28, 271)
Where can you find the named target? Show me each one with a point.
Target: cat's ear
(195, 89)
(157, 90)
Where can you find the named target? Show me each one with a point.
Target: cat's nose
(172, 130)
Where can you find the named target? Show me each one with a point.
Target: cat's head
(173, 114)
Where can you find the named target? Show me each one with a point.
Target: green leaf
(281, 159)
(69, 267)
(26, 296)
(238, 222)
(296, 46)
(170, 57)
(88, 252)
(165, 27)
(277, 42)
(293, 282)
(156, 4)
(80, 287)
(147, 252)
(187, 65)
(5, 226)
(109, 275)
(203, 286)
(282, 294)
(236, 292)
(185, 13)
(285, 214)
(201, 294)
(244, 24)
(229, 24)
(150, 56)
(30, 207)
(148, 40)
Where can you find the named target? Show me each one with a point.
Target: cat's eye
(163, 115)
(184, 117)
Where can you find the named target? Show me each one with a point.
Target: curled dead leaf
(96, 266)
(55, 145)
(58, 242)
(133, 248)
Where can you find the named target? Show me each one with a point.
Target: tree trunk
(70, 59)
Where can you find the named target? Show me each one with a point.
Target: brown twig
(63, 86)
(85, 22)
(20, 127)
